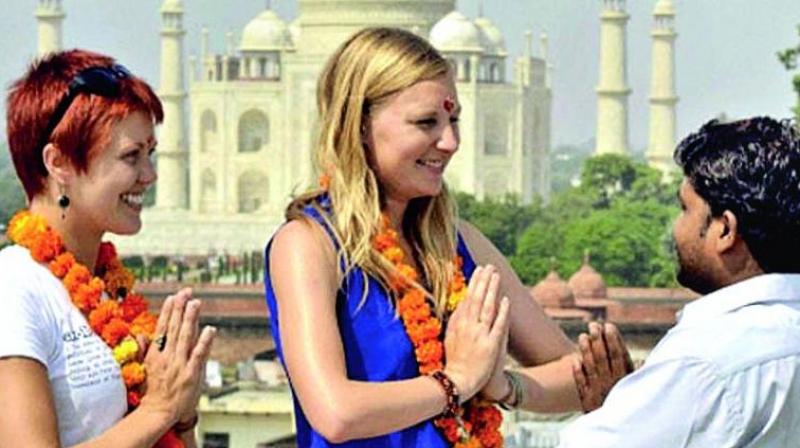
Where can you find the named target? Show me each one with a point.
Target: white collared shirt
(727, 375)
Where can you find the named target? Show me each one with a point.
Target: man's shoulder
(738, 340)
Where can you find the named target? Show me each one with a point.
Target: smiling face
(411, 136)
(108, 196)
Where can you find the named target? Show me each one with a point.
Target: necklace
(477, 422)
(117, 318)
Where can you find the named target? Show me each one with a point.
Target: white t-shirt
(38, 321)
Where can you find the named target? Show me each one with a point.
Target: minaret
(612, 89)
(662, 88)
(171, 190)
(49, 16)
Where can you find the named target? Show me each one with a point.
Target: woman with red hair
(76, 364)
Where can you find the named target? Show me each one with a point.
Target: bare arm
(28, 416)
(303, 272)
(535, 340)
(27, 411)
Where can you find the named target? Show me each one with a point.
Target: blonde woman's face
(411, 137)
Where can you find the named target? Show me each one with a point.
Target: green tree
(12, 197)
(789, 58)
(626, 243)
(621, 212)
(501, 220)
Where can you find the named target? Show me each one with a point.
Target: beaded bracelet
(450, 391)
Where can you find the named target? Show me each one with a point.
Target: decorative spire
(528, 43)
(480, 8)
(663, 97)
(172, 155)
(49, 16)
(230, 43)
(204, 43)
(612, 87)
(543, 40)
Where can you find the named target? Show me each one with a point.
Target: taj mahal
(228, 168)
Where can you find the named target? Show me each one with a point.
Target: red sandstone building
(642, 314)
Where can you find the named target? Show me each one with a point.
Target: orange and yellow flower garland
(477, 423)
(117, 319)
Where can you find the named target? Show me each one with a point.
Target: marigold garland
(477, 423)
(117, 319)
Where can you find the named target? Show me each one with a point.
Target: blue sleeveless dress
(376, 348)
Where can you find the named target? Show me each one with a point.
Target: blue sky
(725, 55)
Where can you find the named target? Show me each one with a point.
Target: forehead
(137, 127)
(689, 195)
(428, 93)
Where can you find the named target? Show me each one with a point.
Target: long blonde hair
(369, 67)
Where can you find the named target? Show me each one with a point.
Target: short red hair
(86, 126)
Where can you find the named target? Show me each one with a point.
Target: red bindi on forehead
(449, 104)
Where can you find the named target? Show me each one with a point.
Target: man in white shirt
(728, 374)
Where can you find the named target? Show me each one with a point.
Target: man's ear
(58, 165)
(728, 234)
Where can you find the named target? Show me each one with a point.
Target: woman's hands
(477, 333)
(175, 374)
(603, 360)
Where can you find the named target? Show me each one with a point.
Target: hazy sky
(725, 49)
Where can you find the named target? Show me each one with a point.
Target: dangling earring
(63, 202)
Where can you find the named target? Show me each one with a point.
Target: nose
(449, 139)
(148, 174)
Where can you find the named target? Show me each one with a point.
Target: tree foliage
(621, 213)
(12, 197)
(501, 220)
(789, 58)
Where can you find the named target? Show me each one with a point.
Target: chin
(696, 282)
(129, 228)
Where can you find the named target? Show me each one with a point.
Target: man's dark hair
(752, 168)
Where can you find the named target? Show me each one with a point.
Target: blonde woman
(384, 342)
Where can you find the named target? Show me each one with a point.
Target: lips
(432, 163)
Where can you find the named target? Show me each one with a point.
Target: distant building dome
(588, 283)
(664, 8)
(553, 292)
(455, 32)
(172, 5)
(493, 37)
(266, 32)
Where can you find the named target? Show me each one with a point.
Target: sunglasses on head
(103, 81)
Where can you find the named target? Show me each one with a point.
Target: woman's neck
(83, 244)
(395, 209)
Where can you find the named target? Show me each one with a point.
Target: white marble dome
(172, 5)
(664, 8)
(455, 32)
(266, 32)
(493, 37)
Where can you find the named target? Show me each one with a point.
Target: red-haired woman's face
(108, 196)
